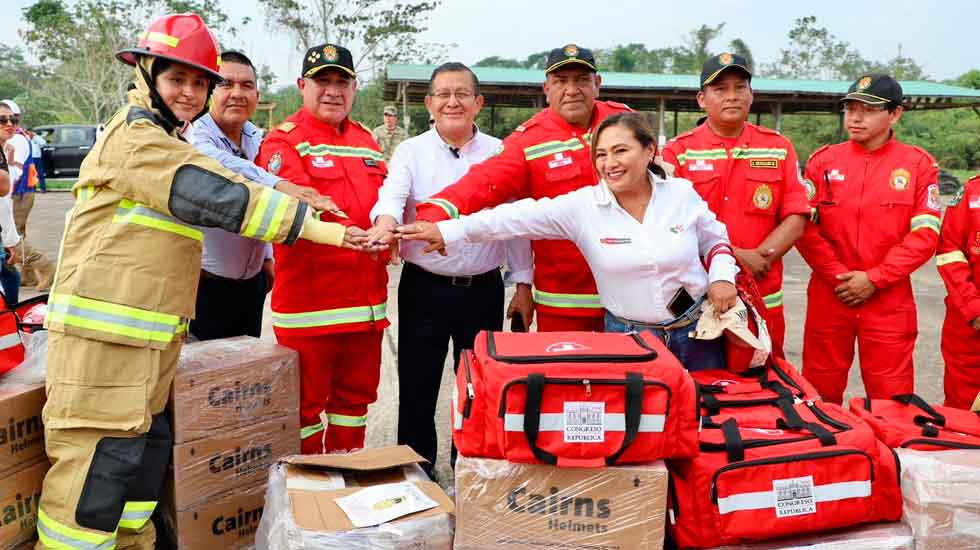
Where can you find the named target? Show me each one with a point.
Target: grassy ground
(964, 174)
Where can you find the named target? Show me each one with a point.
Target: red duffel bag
(908, 421)
(777, 471)
(574, 399)
(11, 346)
(720, 390)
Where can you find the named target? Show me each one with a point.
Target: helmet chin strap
(157, 102)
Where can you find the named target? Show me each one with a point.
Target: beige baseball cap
(734, 323)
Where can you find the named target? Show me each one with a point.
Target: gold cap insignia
(864, 83)
(571, 50)
(330, 53)
(725, 58)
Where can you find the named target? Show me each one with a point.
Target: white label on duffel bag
(584, 421)
(794, 496)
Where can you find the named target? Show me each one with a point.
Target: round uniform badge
(811, 190)
(274, 164)
(900, 179)
(762, 198)
(330, 53)
(725, 58)
(864, 83)
(571, 50)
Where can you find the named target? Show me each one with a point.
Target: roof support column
(661, 113)
(403, 92)
(675, 123)
(779, 117)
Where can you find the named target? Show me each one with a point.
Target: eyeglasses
(14, 120)
(864, 108)
(445, 95)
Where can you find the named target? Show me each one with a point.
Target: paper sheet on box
(383, 503)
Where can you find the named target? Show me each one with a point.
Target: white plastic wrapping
(279, 531)
(34, 367)
(941, 491)
(879, 536)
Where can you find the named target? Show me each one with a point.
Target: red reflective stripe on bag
(758, 477)
(907, 421)
(573, 399)
(11, 347)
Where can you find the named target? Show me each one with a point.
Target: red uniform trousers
(885, 328)
(961, 353)
(339, 376)
(776, 324)
(548, 322)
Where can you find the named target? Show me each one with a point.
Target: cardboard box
(231, 458)
(507, 506)
(301, 512)
(230, 382)
(941, 498)
(20, 491)
(21, 431)
(877, 536)
(228, 522)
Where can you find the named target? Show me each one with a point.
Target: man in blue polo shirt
(236, 272)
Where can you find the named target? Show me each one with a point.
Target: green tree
(815, 53)
(969, 79)
(497, 61)
(695, 50)
(376, 31)
(738, 46)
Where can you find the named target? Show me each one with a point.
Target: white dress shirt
(637, 266)
(423, 166)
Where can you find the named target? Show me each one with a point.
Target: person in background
(646, 238)
(38, 142)
(389, 134)
(36, 269)
(9, 277)
(236, 272)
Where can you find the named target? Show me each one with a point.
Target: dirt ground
(46, 224)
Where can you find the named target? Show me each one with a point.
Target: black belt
(212, 276)
(483, 279)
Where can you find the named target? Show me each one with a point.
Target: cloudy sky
(939, 36)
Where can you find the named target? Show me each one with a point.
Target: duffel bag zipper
(470, 392)
(587, 383)
(786, 378)
(826, 418)
(650, 355)
(784, 459)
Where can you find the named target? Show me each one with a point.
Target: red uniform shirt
(321, 289)
(958, 257)
(751, 183)
(544, 157)
(877, 211)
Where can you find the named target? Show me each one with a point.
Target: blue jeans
(9, 280)
(694, 354)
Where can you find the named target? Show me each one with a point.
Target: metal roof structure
(505, 87)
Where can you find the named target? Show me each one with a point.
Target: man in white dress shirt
(452, 297)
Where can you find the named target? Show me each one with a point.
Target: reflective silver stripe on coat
(69, 309)
(767, 499)
(73, 542)
(613, 422)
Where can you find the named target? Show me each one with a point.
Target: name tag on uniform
(701, 166)
(615, 240)
(370, 162)
(975, 202)
(763, 163)
(320, 162)
(559, 161)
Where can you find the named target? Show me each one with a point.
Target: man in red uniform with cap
(329, 304)
(876, 219)
(547, 156)
(749, 177)
(958, 261)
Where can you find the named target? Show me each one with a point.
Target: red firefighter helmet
(180, 37)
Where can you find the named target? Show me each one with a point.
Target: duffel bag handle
(532, 421)
(914, 400)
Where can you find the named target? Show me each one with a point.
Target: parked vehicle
(67, 146)
(949, 184)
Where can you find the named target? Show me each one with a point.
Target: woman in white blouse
(647, 239)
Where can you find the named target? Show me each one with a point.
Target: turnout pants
(961, 353)
(432, 310)
(339, 376)
(885, 329)
(108, 441)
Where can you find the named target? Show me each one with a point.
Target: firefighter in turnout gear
(958, 261)
(547, 156)
(125, 288)
(329, 304)
(876, 220)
